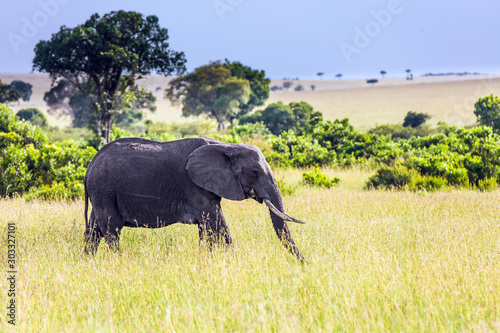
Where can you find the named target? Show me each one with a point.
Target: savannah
(397, 179)
(377, 261)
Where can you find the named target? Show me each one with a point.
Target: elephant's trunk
(278, 216)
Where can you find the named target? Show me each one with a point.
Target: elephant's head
(237, 172)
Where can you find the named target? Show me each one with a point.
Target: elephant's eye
(253, 174)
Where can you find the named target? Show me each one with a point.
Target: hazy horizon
(288, 38)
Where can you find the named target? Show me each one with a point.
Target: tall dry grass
(378, 261)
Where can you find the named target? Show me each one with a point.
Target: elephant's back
(129, 158)
(135, 147)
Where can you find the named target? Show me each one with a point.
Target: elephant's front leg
(213, 228)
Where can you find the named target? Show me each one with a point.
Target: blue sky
(293, 38)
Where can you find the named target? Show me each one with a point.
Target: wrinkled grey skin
(140, 183)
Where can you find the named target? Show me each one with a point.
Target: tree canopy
(8, 94)
(279, 117)
(415, 119)
(65, 99)
(34, 116)
(487, 111)
(23, 88)
(222, 91)
(259, 85)
(104, 57)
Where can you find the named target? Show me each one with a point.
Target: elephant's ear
(210, 168)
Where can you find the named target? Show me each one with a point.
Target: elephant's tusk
(280, 214)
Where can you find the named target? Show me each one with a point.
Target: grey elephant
(135, 182)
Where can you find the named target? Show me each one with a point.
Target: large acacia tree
(105, 56)
(222, 91)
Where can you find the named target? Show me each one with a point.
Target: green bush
(34, 116)
(251, 129)
(398, 131)
(318, 179)
(299, 151)
(430, 183)
(57, 191)
(488, 184)
(31, 166)
(398, 177)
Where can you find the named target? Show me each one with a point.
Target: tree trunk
(106, 126)
(220, 122)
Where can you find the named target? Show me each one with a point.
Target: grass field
(446, 98)
(378, 261)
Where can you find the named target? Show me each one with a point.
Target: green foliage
(318, 179)
(290, 150)
(251, 129)
(429, 183)
(397, 177)
(354, 147)
(461, 158)
(18, 133)
(8, 94)
(278, 117)
(488, 184)
(400, 177)
(29, 164)
(23, 88)
(398, 131)
(259, 85)
(415, 119)
(65, 99)
(487, 111)
(34, 116)
(57, 191)
(105, 56)
(221, 91)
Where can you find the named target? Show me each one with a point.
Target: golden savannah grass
(378, 261)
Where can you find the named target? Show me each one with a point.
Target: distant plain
(446, 98)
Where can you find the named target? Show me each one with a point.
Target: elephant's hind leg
(111, 223)
(93, 235)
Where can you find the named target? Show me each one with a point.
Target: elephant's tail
(86, 203)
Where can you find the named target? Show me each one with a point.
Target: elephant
(134, 182)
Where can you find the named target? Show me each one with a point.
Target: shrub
(299, 151)
(398, 177)
(34, 116)
(488, 184)
(57, 191)
(251, 129)
(28, 165)
(430, 183)
(318, 179)
(398, 131)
